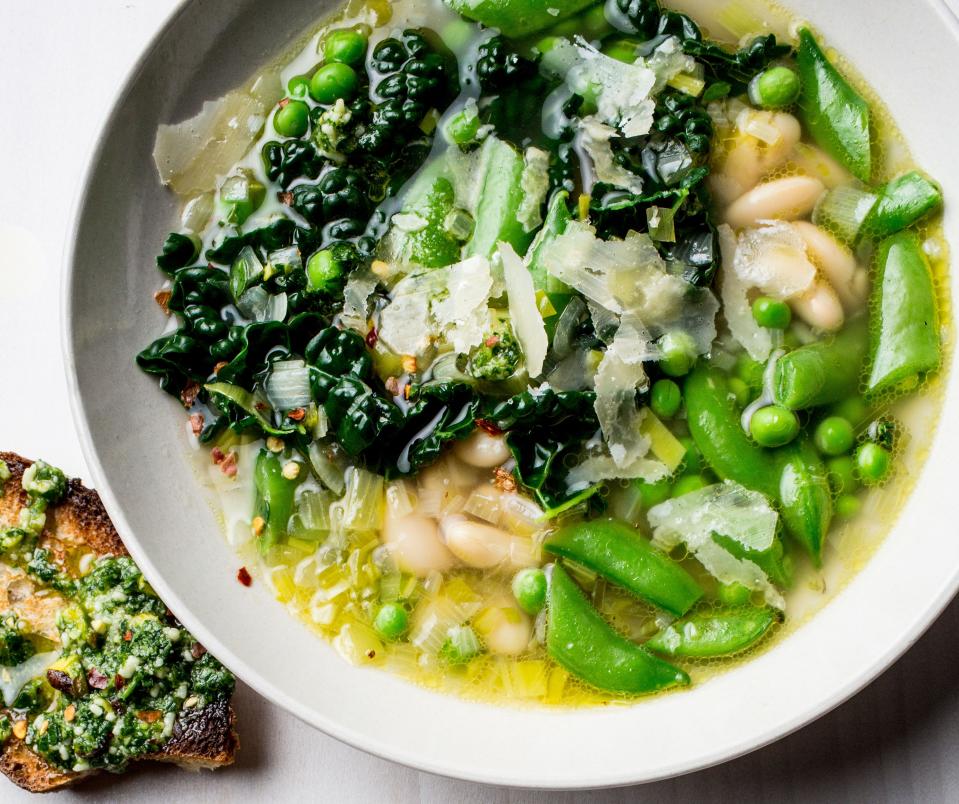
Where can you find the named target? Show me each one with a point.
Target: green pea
(298, 86)
(323, 271)
(771, 313)
(345, 46)
(665, 398)
(741, 391)
(774, 426)
(750, 371)
(653, 494)
(679, 354)
(529, 589)
(546, 44)
(332, 82)
(292, 119)
(775, 88)
(842, 474)
(687, 484)
(853, 409)
(873, 463)
(391, 621)
(847, 506)
(734, 594)
(834, 436)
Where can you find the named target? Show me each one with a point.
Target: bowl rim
(920, 622)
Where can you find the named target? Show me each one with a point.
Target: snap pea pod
(501, 194)
(822, 372)
(904, 337)
(518, 18)
(792, 476)
(704, 635)
(617, 552)
(274, 499)
(430, 198)
(836, 115)
(579, 639)
(557, 219)
(774, 561)
(805, 498)
(904, 201)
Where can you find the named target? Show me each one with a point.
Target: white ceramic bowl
(130, 438)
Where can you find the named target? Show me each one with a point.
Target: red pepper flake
(196, 423)
(372, 337)
(243, 576)
(217, 454)
(297, 414)
(119, 681)
(127, 635)
(228, 465)
(393, 385)
(149, 715)
(220, 366)
(492, 340)
(162, 297)
(285, 198)
(97, 680)
(189, 394)
(283, 103)
(488, 427)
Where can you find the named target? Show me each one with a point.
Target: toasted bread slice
(204, 738)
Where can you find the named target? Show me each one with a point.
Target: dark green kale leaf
(736, 68)
(543, 430)
(413, 76)
(289, 160)
(498, 65)
(179, 251)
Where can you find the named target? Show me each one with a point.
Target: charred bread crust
(204, 738)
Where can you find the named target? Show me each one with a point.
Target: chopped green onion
(843, 211)
(244, 272)
(288, 386)
(660, 222)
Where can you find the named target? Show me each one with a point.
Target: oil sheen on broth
(447, 542)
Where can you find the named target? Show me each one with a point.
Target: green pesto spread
(124, 669)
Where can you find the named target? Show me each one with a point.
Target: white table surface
(62, 61)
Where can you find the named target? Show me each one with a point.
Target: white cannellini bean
(414, 543)
(748, 159)
(504, 628)
(836, 261)
(783, 199)
(482, 450)
(820, 307)
(476, 544)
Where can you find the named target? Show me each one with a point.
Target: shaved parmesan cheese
(535, 185)
(448, 303)
(356, 300)
(524, 312)
(597, 468)
(593, 138)
(668, 61)
(189, 156)
(772, 257)
(12, 679)
(729, 510)
(628, 277)
(756, 340)
(619, 376)
(622, 91)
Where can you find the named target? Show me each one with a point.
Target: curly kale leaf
(544, 429)
(414, 76)
(278, 234)
(289, 160)
(736, 68)
(341, 192)
(498, 65)
(179, 251)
